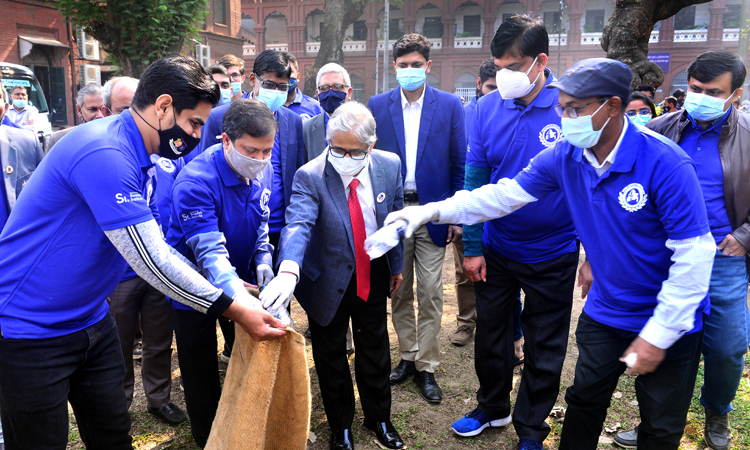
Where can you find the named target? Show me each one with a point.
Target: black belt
(411, 197)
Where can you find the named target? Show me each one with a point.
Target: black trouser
(663, 396)
(196, 351)
(545, 320)
(372, 364)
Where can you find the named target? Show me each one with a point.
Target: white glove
(414, 216)
(279, 291)
(263, 274)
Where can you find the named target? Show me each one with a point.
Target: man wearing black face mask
(333, 89)
(87, 212)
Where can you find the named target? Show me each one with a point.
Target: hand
(730, 246)
(455, 233)
(414, 216)
(30, 122)
(475, 268)
(396, 282)
(279, 291)
(263, 274)
(585, 278)
(649, 357)
(248, 285)
(260, 325)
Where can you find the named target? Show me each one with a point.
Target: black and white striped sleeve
(156, 262)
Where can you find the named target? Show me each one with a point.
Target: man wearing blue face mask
(22, 113)
(715, 135)
(221, 77)
(302, 105)
(426, 128)
(236, 68)
(333, 89)
(637, 206)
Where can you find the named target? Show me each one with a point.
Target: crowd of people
(180, 190)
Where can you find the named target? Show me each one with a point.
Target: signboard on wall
(661, 59)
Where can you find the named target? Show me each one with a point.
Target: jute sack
(265, 403)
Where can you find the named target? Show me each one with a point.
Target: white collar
(420, 101)
(611, 157)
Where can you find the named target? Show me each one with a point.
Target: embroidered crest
(177, 145)
(166, 165)
(265, 197)
(381, 197)
(632, 197)
(550, 134)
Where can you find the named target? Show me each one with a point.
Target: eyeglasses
(271, 86)
(357, 155)
(335, 87)
(572, 111)
(640, 112)
(235, 76)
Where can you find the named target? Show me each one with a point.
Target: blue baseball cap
(596, 77)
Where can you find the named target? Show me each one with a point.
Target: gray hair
(88, 90)
(353, 117)
(109, 86)
(333, 68)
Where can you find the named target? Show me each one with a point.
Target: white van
(15, 75)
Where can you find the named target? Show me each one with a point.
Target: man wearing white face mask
(715, 135)
(220, 207)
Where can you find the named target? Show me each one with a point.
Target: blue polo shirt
(277, 222)
(3, 205)
(469, 117)
(506, 136)
(305, 107)
(624, 218)
(703, 147)
(57, 266)
(208, 196)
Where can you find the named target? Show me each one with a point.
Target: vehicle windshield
(36, 96)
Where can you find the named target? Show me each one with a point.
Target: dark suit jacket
(318, 235)
(20, 154)
(441, 148)
(314, 132)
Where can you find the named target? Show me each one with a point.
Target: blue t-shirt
(57, 266)
(703, 147)
(305, 107)
(469, 117)
(505, 137)
(624, 218)
(276, 222)
(208, 196)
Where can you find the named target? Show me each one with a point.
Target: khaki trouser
(419, 340)
(467, 300)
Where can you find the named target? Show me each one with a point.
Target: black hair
(272, 61)
(671, 100)
(217, 68)
(646, 87)
(230, 60)
(292, 60)
(714, 63)
(520, 35)
(183, 78)
(678, 93)
(410, 43)
(251, 117)
(487, 70)
(645, 99)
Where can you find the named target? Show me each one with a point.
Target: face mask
(226, 97)
(174, 142)
(411, 78)
(18, 103)
(274, 99)
(580, 131)
(703, 107)
(346, 166)
(640, 119)
(244, 165)
(292, 84)
(236, 87)
(331, 100)
(513, 84)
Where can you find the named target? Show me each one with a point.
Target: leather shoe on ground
(627, 439)
(170, 414)
(402, 371)
(342, 440)
(717, 431)
(462, 335)
(428, 387)
(387, 435)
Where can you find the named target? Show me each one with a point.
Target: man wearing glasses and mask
(333, 89)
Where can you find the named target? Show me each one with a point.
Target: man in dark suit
(334, 87)
(425, 127)
(322, 253)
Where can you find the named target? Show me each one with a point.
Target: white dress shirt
(23, 116)
(412, 117)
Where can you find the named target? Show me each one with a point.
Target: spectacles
(271, 86)
(641, 112)
(235, 76)
(357, 155)
(572, 111)
(335, 87)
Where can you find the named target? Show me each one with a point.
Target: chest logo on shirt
(166, 165)
(265, 197)
(632, 197)
(550, 134)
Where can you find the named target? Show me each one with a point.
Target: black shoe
(403, 371)
(387, 435)
(428, 387)
(627, 439)
(170, 414)
(716, 432)
(517, 361)
(342, 440)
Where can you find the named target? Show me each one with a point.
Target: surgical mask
(20, 104)
(174, 142)
(580, 131)
(704, 107)
(236, 87)
(274, 99)
(347, 166)
(513, 84)
(411, 78)
(331, 100)
(292, 84)
(226, 97)
(640, 119)
(249, 168)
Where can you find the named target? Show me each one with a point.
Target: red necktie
(358, 228)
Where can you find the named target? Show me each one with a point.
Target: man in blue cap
(636, 203)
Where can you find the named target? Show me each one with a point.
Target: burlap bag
(265, 403)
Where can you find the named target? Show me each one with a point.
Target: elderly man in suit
(339, 199)
(334, 87)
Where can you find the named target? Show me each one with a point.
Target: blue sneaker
(473, 423)
(528, 444)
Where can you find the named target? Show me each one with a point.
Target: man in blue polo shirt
(83, 216)
(302, 105)
(534, 249)
(637, 205)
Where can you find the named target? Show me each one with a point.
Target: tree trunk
(626, 35)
